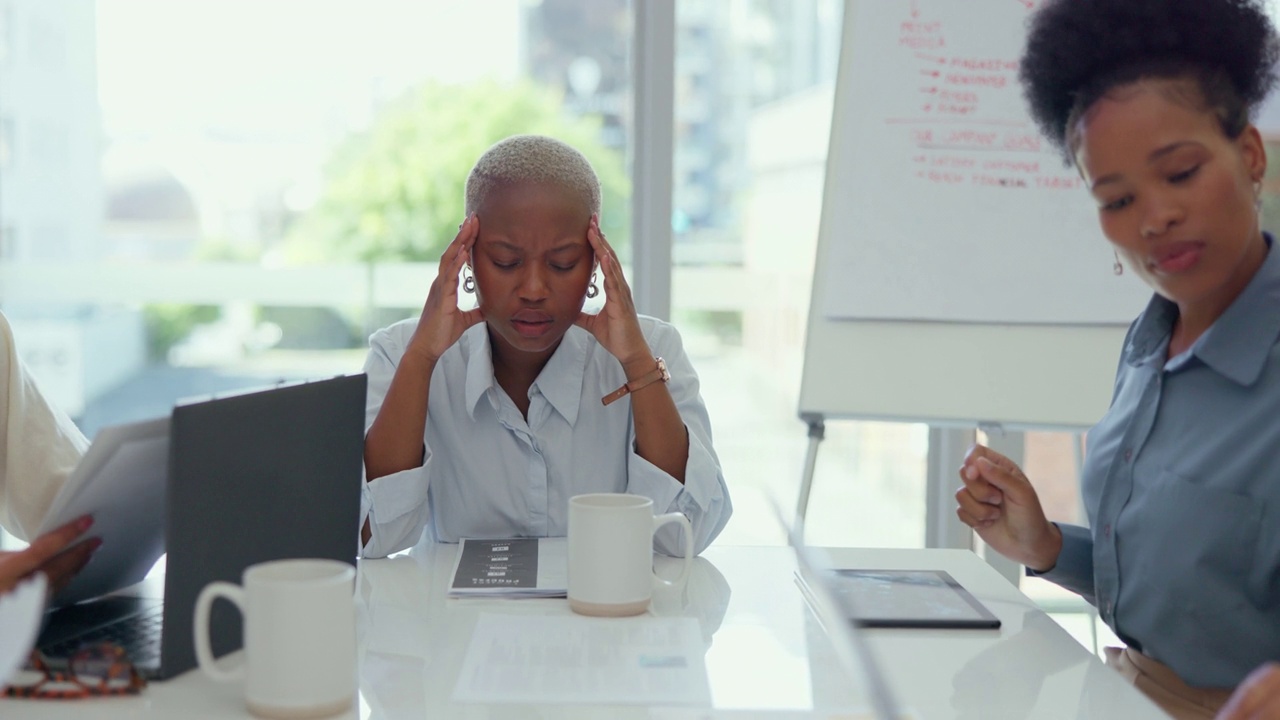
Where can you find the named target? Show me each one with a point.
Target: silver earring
(468, 282)
(592, 290)
(1117, 268)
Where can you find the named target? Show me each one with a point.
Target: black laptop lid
(259, 476)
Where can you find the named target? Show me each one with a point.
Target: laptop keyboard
(138, 634)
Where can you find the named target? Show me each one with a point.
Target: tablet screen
(908, 598)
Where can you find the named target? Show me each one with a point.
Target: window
(6, 32)
(195, 212)
(754, 84)
(6, 144)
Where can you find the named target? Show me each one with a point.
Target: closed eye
(563, 268)
(1184, 175)
(1118, 204)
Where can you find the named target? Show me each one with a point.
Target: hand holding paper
(121, 481)
(51, 554)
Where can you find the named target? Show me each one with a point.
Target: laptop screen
(254, 477)
(813, 569)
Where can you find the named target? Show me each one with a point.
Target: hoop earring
(1117, 268)
(468, 281)
(592, 290)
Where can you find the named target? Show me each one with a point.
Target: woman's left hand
(616, 327)
(1257, 698)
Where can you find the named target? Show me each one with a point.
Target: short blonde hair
(532, 158)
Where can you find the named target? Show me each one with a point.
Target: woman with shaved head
(483, 423)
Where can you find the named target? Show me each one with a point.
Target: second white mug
(299, 637)
(611, 553)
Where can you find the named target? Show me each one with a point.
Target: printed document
(121, 481)
(571, 659)
(517, 567)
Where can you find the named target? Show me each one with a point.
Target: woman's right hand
(1257, 698)
(442, 322)
(1000, 504)
(52, 554)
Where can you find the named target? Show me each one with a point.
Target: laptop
(256, 476)
(847, 638)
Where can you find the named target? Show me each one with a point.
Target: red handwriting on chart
(921, 35)
(957, 133)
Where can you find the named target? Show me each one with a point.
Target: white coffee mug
(299, 637)
(611, 553)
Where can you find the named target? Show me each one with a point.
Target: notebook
(514, 567)
(256, 476)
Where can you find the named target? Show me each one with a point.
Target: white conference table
(766, 654)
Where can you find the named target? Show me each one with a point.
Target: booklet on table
(515, 567)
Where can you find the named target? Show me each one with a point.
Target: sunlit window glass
(206, 195)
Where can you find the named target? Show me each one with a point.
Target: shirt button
(1128, 454)
(1106, 531)
(1107, 610)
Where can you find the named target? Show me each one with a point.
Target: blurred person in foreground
(39, 447)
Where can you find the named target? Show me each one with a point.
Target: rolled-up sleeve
(395, 505)
(704, 496)
(39, 445)
(1074, 569)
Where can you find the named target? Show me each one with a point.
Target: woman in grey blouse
(484, 422)
(1151, 99)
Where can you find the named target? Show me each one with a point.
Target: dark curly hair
(1078, 50)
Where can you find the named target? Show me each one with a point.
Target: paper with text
(572, 659)
(515, 567)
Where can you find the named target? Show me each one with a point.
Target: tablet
(908, 599)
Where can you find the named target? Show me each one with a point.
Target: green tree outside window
(395, 193)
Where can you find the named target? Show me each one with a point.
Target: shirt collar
(561, 378)
(560, 381)
(1238, 344)
(479, 377)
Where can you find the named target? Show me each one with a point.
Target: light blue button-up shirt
(489, 473)
(1182, 488)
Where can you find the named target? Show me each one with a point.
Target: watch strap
(658, 373)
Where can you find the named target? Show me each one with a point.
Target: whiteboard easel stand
(817, 432)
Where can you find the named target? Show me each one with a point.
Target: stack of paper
(122, 482)
(520, 567)
(533, 659)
